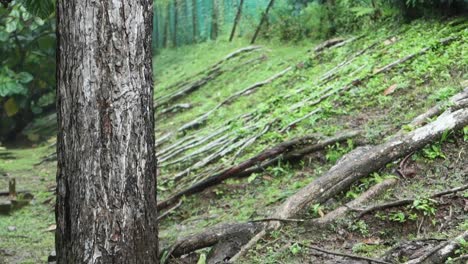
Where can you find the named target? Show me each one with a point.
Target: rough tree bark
(106, 178)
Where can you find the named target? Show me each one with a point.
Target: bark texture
(106, 204)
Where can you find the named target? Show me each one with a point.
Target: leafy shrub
(27, 64)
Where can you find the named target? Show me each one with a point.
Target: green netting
(179, 22)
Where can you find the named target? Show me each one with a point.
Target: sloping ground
(376, 82)
(219, 104)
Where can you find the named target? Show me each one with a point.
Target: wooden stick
(407, 201)
(345, 255)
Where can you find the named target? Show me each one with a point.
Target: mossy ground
(419, 84)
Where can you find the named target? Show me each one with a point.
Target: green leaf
(202, 259)
(24, 77)
(40, 8)
(10, 87)
(11, 26)
(3, 35)
(11, 108)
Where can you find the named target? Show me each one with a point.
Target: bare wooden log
(329, 43)
(296, 154)
(163, 139)
(213, 236)
(175, 108)
(454, 101)
(251, 140)
(373, 192)
(442, 252)
(170, 210)
(363, 161)
(221, 141)
(189, 88)
(293, 123)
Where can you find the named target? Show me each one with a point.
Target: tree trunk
(236, 20)
(194, 21)
(167, 26)
(176, 22)
(214, 20)
(264, 17)
(106, 177)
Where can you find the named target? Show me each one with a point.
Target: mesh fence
(180, 22)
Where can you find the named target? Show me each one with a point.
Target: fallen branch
(444, 41)
(213, 236)
(407, 201)
(175, 108)
(328, 43)
(454, 102)
(442, 252)
(160, 217)
(201, 119)
(373, 192)
(212, 73)
(329, 252)
(329, 91)
(269, 154)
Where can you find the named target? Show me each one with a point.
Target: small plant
(317, 210)
(336, 151)
(364, 184)
(399, 217)
(433, 152)
(463, 250)
(360, 226)
(426, 206)
(295, 249)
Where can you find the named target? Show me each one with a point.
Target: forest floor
(214, 113)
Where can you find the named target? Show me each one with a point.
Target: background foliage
(27, 64)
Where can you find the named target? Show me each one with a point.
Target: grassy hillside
(375, 81)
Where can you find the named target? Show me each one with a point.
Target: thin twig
(407, 201)
(345, 255)
(169, 211)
